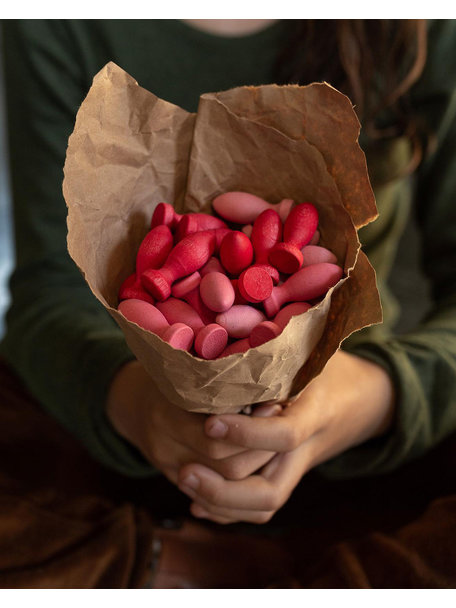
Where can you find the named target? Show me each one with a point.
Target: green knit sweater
(61, 341)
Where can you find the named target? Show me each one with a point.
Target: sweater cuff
(406, 438)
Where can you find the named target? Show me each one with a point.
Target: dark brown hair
(374, 62)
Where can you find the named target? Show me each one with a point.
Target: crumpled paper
(131, 150)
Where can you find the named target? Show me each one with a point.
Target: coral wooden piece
(238, 346)
(148, 317)
(240, 320)
(314, 254)
(244, 208)
(185, 285)
(306, 284)
(217, 291)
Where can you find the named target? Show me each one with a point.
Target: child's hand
(351, 401)
(168, 436)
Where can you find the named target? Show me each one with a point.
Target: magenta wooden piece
(154, 249)
(194, 299)
(219, 234)
(263, 332)
(212, 265)
(272, 272)
(211, 341)
(266, 233)
(313, 254)
(244, 208)
(239, 320)
(195, 222)
(188, 255)
(217, 292)
(128, 284)
(299, 228)
(284, 315)
(164, 214)
(255, 284)
(177, 311)
(238, 346)
(132, 288)
(150, 318)
(183, 286)
(236, 252)
(268, 330)
(238, 299)
(306, 284)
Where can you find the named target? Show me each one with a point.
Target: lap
(66, 521)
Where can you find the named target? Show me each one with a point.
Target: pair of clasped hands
(238, 468)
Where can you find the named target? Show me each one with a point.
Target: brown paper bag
(131, 150)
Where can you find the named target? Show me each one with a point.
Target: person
(382, 400)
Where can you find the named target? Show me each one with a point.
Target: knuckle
(264, 517)
(271, 502)
(292, 437)
(233, 470)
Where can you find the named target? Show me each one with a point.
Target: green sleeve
(60, 340)
(422, 363)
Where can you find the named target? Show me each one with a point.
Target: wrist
(383, 394)
(356, 398)
(125, 402)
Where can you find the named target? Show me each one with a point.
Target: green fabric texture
(61, 341)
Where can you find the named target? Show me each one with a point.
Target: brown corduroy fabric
(67, 522)
(58, 525)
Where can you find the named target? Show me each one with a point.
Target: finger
(275, 433)
(171, 455)
(187, 428)
(278, 433)
(267, 490)
(230, 516)
(190, 432)
(247, 462)
(205, 485)
(241, 465)
(198, 511)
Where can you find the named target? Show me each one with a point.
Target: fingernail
(191, 481)
(217, 430)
